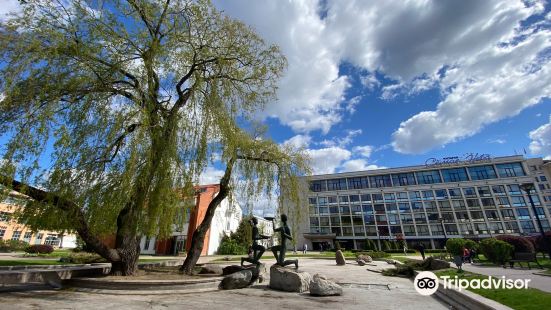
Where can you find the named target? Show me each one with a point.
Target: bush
(471, 244)
(12, 245)
(435, 251)
(385, 244)
(541, 244)
(370, 245)
(229, 246)
(400, 271)
(39, 249)
(455, 246)
(373, 254)
(83, 258)
(496, 251)
(521, 244)
(399, 251)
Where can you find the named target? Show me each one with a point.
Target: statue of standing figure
(258, 249)
(279, 250)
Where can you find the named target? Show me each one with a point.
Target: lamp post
(528, 187)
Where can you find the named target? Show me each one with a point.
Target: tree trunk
(127, 243)
(197, 241)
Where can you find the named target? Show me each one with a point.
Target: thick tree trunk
(128, 249)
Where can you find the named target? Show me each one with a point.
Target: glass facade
(471, 201)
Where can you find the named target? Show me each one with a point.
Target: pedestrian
(421, 249)
(466, 255)
(305, 249)
(405, 249)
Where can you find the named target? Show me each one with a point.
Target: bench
(524, 258)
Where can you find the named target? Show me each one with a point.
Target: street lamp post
(528, 187)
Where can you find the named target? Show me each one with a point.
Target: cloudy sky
(390, 83)
(375, 84)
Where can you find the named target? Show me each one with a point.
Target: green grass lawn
(522, 299)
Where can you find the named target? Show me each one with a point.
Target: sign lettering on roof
(468, 158)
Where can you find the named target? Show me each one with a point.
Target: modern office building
(474, 196)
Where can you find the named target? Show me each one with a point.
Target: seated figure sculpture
(279, 250)
(258, 249)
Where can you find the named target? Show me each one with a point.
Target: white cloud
(497, 141)
(327, 160)
(352, 103)
(541, 140)
(370, 81)
(298, 141)
(210, 175)
(364, 151)
(358, 165)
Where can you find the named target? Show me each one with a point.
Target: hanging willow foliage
(113, 108)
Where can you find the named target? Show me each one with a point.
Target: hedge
(496, 251)
(521, 244)
(12, 245)
(39, 249)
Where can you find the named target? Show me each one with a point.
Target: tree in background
(238, 241)
(128, 101)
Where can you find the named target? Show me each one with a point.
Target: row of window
(432, 217)
(435, 229)
(50, 239)
(438, 194)
(420, 177)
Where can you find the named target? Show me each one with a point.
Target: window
(27, 237)
(484, 191)
(393, 219)
(355, 198)
(518, 201)
(389, 197)
(413, 196)
(322, 201)
(2, 232)
(448, 217)
(380, 208)
(343, 199)
(380, 181)
(336, 184)
(324, 221)
(428, 195)
(444, 205)
(437, 229)
(523, 214)
(332, 199)
(409, 230)
(347, 231)
(406, 218)
(498, 190)
(543, 178)
(357, 183)
(318, 186)
(514, 189)
(454, 192)
(507, 214)
(511, 227)
(430, 206)
(312, 200)
(482, 172)
(469, 192)
(417, 206)
(420, 218)
(378, 197)
(335, 221)
(454, 175)
(16, 235)
(369, 219)
(462, 216)
(345, 209)
(403, 207)
(487, 202)
(491, 215)
(366, 197)
(5, 216)
(503, 202)
(473, 203)
(428, 177)
(403, 179)
(458, 204)
(423, 230)
(346, 220)
(541, 186)
(356, 209)
(496, 228)
(441, 194)
(510, 170)
(477, 216)
(402, 196)
(527, 226)
(392, 208)
(367, 209)
(323, 210)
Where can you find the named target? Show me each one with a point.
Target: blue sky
(374, 84)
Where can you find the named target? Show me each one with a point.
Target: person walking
(421, 249)
(305, 249)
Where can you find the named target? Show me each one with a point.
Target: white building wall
(150, 249)
(225, 221)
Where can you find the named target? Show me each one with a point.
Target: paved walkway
(362, 289)
(537, 281)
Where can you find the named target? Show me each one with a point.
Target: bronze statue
(285, 233)
(257, 249)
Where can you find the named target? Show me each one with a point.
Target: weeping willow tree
(108, 107)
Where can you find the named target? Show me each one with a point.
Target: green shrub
(435, 250)
(399, 251)
(496, 251)
(370, 245)
(471, 244)
(39, 249)
(400, 271)
(229, 246)
(455, 246)
(373, 254)
(12, 245)
(385, 244)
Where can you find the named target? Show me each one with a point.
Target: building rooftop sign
(468, 158)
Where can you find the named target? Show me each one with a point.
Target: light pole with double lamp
(528, 187)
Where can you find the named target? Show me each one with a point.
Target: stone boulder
(360, 262)
(236, 280)
(211, 269)
(232, 269)
(339, 257)
(285, 279)
(434, 264)
(320, 286)
(365, 258)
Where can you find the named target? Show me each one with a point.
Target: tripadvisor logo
(426, 283)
